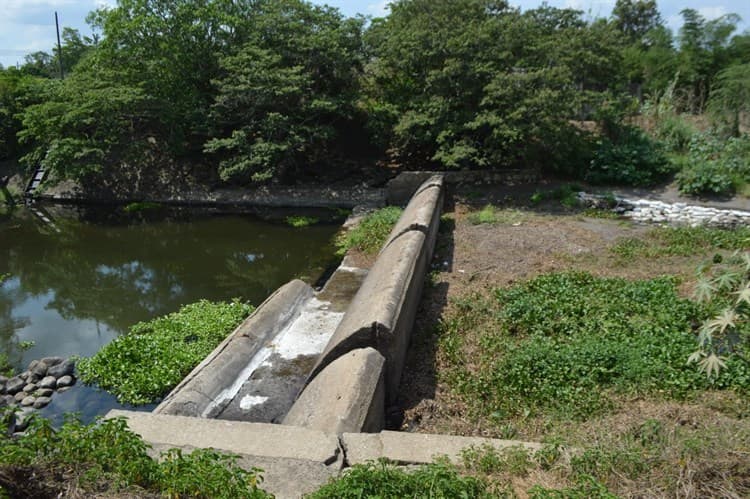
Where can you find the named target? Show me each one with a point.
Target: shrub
(143, 365)
(371, 233)
(107, 456)
(674, 132)
(632, 158)
(300, 221)
(382, 480)
(682, 241)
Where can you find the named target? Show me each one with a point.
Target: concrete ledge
(250, 439)
(346, 396)
(209, 386)
(423, 211)
(416, 448)
(382, 312)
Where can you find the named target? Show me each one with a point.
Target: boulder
(28, 401)
(64, 368)
(24, 375)
(18, 397)
(44, 392)
(63, 389)
(51, 361)
(66, 381)
(39, 370)
(14, 385)
(30, 388)
(41, 402)
(48, 382)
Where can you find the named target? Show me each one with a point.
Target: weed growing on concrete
(143, 365)
(371, 233)
(105, 457)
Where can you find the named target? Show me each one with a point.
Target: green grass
(371, 233)
(560, 344)
(143, 365)
(301, 221)
(105, 456)
(682, 241)
(383, 480)
(493, 215)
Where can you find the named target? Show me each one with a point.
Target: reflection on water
(75, 286)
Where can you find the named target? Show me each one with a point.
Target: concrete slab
(416, 448)
(251, 439)
(347, 396)
(215, 381)
(423, 211)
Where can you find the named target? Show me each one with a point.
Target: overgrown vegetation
(371, 232)
(105, 458)
(560, 343)
(143, 365)
(491, 214)
(380, 479)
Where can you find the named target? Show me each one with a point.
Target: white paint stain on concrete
(249, 401)
(308, 334)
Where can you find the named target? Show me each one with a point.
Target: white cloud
(712, 12)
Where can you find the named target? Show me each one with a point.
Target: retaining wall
(380, 317)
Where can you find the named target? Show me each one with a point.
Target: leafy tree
(285, 99)
(17, 90)
(636, 18)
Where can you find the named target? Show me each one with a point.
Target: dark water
(81, 280)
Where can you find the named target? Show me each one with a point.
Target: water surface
(82, 278)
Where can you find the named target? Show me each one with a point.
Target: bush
(371, 233)
(632, 158)
(715, 165)
(559, 342)
(381, 480)
(106, 456)
(143, 365)
(674, 132)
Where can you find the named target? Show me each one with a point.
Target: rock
(51, 361)
(24, 375)
(18, 397)
(27, 401)
(3, 379)
(32, 365)
(44, 392)
(9, 399)
(30, 388)
(62, 369)
(48, 382)
(66, 381)
(33, 378)
(3, 402)
(41, 402)
(22, 419)
(63, 389)
(14, 385)
(39, 370)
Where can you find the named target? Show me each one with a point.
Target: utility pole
(59, 47)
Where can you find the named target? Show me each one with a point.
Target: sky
(29, 25)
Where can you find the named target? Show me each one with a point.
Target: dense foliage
(143, 365)
(559, 342)
(284, 90)
(106, 456)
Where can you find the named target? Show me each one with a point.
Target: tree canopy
(277, 90)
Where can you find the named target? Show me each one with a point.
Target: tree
(635, 18)
(730, 96)
(286, 99)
